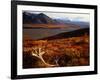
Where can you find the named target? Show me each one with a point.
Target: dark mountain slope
(37, 18)
(74, 33)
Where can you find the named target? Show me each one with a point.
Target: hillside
(74, 33)
(73, 51)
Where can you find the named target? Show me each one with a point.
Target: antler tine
(35, 50)
(34, 54)
(39, 50)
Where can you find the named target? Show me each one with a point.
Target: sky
(67, 15)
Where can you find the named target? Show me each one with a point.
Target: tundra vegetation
(73, 51)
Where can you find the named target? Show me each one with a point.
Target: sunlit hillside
(72, 51)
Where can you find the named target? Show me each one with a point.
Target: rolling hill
(74, 33)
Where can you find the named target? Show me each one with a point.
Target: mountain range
(41, 18)
(37, 18)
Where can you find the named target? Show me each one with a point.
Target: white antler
(37, 52)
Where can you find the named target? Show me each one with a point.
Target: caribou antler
(37, 52)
